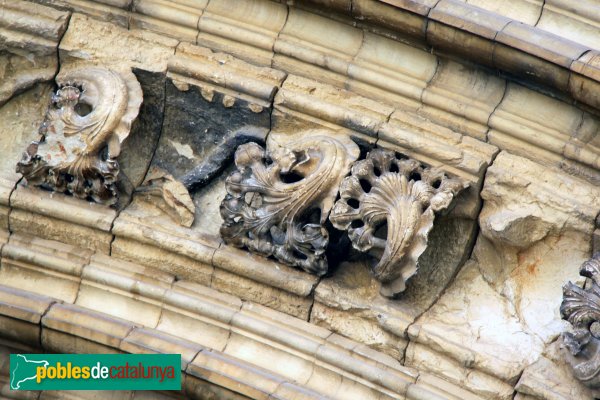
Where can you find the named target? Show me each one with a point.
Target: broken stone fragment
(170, 195)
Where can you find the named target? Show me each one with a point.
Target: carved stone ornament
(80, 139)
(278, 200)
(581, 307)
(388, 206)
(170, 195)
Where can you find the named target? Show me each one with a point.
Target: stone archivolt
(387, 206)
(487, 329)
(81, 137)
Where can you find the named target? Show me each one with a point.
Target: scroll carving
(80, 139)
(278, 200)
(388, 206)
(581, 307)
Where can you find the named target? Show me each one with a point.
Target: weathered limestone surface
(391, 71)
(302, 104)
(113, 11)
(219, 336)
(29, 35)
(177, 19)
(524, 11)
(489, 326)
(21, 117)
(502, 309)
(217, 95)
(56, 216)
(306, 43)
(549, 378)
(225, 22)
(578, 22)
(21, 315)
(93, 40)
(350, 303)
(462, 98)
(263, 32)
(30, 263)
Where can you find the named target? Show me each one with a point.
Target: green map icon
(23, 369)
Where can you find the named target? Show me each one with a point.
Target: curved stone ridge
(225, 343)
(90, 117)
(388, 205)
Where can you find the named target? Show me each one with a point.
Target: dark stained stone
(139, 147)
(200, 136)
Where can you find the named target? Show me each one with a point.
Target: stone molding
(29, 34)
(29, 37)
(477, 29)
(469, 101)
(217, 334)
(212, 71)
(50, 215)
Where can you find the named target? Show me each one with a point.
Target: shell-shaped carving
(278, 200)
(113, 97)
(388, 205)
(581, 307)
(89, 118)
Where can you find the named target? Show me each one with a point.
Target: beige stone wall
(479, 320)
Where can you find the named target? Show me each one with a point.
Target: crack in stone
(541, 13)
(46, 311)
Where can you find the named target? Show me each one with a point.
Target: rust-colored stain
(62, 148)
(526, 267)
(532, 268)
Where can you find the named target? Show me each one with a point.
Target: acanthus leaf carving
(89, 118)
(388, 206)
(581, 307)
(279, 199)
